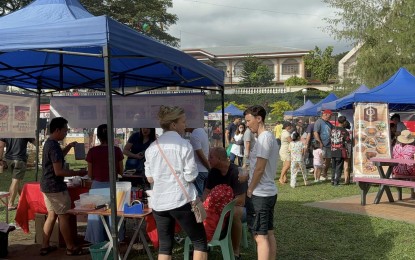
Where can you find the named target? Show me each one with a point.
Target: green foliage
(150, 17)
(320, 63)
(295, 99)
(255, 74)
(227, 103)
(346, 87)
(8, 6)
(295, 81)
(385, 28)
(278, 108)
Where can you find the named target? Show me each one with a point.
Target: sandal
(46, 250)
(10, 208)
(76, 251)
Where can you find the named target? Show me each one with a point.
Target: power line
(252, 9)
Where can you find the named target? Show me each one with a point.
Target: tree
(255, 74)
(320, 63)
(385, 31)
(150, 17)
(295, 81)
(278, 108)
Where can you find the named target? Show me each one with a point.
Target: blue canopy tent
(233, 110)
(313, 110)
(305, 106)
(53, 45)
(398, 91)
(334, 105)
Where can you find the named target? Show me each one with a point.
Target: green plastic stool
(225, 242)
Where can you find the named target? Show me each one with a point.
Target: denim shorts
(260, 214)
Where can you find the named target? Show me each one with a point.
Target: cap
(327, 112)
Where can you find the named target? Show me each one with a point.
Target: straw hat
(406, 137)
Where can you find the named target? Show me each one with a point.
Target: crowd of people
(198, 169)
(184, 170)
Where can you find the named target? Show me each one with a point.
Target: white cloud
(287, 23)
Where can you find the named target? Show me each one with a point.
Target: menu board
(132, 111)
(17, 116)
(371, 137)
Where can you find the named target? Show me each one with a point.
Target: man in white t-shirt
(200, 143)
(262, 191)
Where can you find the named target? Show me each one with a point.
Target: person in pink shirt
(317, 160)
(404, 149)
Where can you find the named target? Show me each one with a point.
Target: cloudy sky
(286, 23)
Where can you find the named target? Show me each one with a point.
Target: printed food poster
(17, 115)
(21, 122)
(371, 137)
(4, 117)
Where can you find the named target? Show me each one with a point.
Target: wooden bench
(365, 183)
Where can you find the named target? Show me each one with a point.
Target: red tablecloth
(31, 202)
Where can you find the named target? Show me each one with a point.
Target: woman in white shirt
(238, 145)
(169, 201)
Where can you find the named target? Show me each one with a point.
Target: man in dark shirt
(231, 129)
(15, 159)
(54, 189)
(224, 172)
(322, 130)
(340, 139)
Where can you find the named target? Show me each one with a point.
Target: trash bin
(4, 242)
(98, 251)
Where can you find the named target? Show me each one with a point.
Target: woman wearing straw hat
(171, 168)
(404, 149)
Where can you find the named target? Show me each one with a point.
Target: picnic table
(385, 181)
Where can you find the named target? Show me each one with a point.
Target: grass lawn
(304, 232)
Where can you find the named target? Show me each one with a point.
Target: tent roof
(32, 36)
(233, 110)
(313, 110)
(398, 91)
(335, 105)
(305, 106)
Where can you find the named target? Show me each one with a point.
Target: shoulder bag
(197, 205)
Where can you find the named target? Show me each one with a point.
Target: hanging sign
(17, 116)
(128, 112)
(371, 137)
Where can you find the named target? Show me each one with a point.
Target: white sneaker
(311, 170)
(322, 178)
(292, 186)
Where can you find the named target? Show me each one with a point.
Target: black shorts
(260, 214)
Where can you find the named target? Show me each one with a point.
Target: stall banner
(217, 116)
(128, 112)
(18, 116)
(371, 137)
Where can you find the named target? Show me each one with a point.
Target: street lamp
(304, 93)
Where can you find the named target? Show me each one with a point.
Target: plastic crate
(98, 253)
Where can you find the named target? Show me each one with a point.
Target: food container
(123, 194)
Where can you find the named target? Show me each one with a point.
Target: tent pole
(37, 131)
(223, 114)
(110, 134)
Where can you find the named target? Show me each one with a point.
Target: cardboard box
(56, 238)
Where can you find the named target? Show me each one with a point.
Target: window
(290, 67)
(221, 66)
(269, 65)
(238, 68)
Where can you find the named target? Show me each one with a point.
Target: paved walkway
(399, 210)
